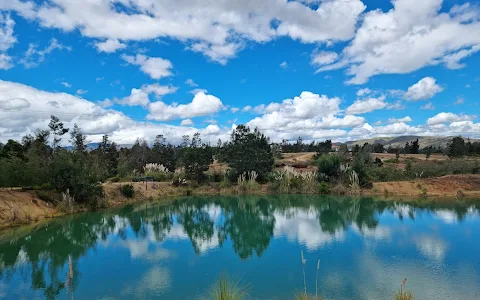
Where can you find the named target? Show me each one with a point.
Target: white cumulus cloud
(366, 105)
(155, 67)
(110, 46)
(400, 120)
(424, 89)
(412, 35)
(448, 117)
(201, 105)
(218, 31)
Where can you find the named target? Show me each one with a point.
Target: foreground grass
(226, 289)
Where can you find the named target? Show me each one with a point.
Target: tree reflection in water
(41, 256)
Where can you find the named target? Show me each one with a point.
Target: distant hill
(399, 141)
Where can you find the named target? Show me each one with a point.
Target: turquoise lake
(366, 248)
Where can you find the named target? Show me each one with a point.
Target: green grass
(226, 289)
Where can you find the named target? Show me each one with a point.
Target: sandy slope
(452, 186)
(17, 207)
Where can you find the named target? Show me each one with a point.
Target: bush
(127, 190)
(225, 183)
(329, 165)
(274, 186)
(391, 161)
(46, 196)
(324, 188)
(387, 174)
(339, 189)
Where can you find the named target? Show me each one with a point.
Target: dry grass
(22, 207)
(445, 186)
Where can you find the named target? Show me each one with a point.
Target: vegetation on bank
(75, 174)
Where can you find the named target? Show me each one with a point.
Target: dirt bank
(451, 186)
(22, 207)
(164, 190)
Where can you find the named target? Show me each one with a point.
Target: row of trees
(39, 160)
(300, 146)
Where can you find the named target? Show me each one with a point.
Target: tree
(163, 153)
(298, 146)
(324, 147)
(78, 140)
(407, 148)
(414, 147)
(196, 158)
(249, 151)
(378, 148)
(457, 147)
(328, 166)
(276, 150)
(185, 141)
(57, 129)
(12, 148)
(428, 151)
(356, 149)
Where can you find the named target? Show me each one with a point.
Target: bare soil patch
(445, 186)
(22, 207)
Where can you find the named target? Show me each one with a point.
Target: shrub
(339, 189)
(46, 196)
(225, 183)
(329, 165)
(127, 190)
(391, 161)
(387, 174)
(324, 188)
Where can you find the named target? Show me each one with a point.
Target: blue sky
(336, 69)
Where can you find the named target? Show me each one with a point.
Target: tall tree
(457, 147)
(57, 129)
(163, 153)
(196, 158)
(78, 140)
(249, 151)
(414, 147)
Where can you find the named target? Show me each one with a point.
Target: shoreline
(20, 208)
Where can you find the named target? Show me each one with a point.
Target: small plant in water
(226, 289)
(304, 295)
(403, 294)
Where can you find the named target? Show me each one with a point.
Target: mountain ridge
(399, 141)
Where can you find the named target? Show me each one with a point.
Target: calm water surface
(178, 251)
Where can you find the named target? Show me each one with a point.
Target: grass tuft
(226, 289)
(403, 294)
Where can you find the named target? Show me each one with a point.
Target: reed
(247, 182)
(403, 294)
(304, 295)
(354, 183)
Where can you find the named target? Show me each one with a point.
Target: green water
(178, 251)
